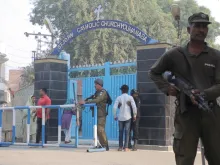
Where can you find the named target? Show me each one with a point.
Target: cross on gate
(97, 11)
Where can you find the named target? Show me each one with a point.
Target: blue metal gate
(112, 84)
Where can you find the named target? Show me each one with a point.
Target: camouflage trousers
(101, 131)
(189, 127)
(100, 128)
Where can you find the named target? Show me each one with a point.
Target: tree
(106, 44)
(27, 78)
(188, 7)
(98, 46)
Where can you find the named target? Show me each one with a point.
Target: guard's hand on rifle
(192, 97)
(172, 91)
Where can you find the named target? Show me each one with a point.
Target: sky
(14, 21)
(214, 6)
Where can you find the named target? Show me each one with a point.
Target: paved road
(46, 156)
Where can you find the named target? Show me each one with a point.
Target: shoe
(134, 146)
(120, 149)
(127, 149)
(107, 148)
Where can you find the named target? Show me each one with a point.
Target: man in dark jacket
(135, 124)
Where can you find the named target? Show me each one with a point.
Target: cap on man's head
(124, 87)
(134, 91)
(99, 82)
(199, 18)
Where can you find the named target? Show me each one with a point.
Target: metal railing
(59, 107)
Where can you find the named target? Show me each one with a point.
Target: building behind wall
(14, 79)
(3, 83)
(5, 96)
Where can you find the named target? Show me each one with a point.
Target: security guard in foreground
(200, 65)
(100, 98)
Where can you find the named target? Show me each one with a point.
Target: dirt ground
(61, 156)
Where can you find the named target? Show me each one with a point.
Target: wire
(10, 66)
(16, 55)
(18, 62)
(22, 50)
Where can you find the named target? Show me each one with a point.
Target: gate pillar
(52, 74)
(156, 123)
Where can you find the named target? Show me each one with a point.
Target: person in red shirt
(44, 100)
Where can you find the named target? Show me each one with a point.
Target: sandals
(67, 142)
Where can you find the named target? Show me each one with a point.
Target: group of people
(127, 117)
(36, 118)
(196, 62)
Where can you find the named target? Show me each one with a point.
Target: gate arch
(99, 24)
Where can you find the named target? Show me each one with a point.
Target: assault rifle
(185, 87)
(91, 97)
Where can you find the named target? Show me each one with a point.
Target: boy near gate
(124, 117)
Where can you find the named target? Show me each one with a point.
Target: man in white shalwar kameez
(33, 123)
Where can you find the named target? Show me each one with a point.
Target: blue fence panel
(73, 127)
(112, 84)
(116, 82)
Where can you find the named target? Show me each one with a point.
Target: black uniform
(192, 123)
(135, 124)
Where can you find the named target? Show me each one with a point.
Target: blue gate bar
(3, 144)
(28, 125)
(0, 126)
(59, 125)
(13, 126)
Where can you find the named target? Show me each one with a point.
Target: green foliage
(98, 46)
(27, 77)
(87, 73)
(101, 72)
(187, 8)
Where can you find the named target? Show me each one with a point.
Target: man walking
(124, 117)
(200, 65)
(44, 100)
(100, 98)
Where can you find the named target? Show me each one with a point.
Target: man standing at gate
(44, 100)
(198, 64)
(134, 123)
(124, 117)
(100, 98)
